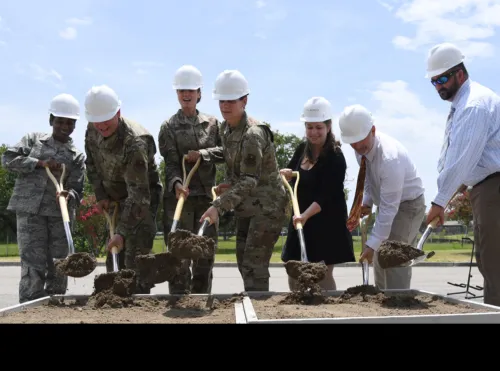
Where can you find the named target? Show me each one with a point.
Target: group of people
(119, 163)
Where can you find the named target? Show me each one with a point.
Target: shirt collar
(462, 92)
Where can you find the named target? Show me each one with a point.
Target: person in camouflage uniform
(254, 188)
(195, 134)
(122, 171)
(40, 229)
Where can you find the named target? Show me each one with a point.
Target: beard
(446, 94)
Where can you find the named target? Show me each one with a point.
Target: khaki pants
(485, 201)
(405, 229)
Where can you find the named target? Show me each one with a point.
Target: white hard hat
(187, 77)
(441, 58)
(316, 109)
(101, 104)
(355, 123)
(230, 85)
(65, 105)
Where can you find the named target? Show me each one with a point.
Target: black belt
(494, 175)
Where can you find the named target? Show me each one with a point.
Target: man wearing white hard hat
(41, 233)
(470, 157)
(195, 135)
(391, 183)
(122, 171)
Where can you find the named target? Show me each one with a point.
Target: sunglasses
(443, 79)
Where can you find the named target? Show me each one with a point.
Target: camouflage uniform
(257, 196)
(40, 228)
(122, 169)
(178, 135)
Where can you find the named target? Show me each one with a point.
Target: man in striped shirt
(470, 157)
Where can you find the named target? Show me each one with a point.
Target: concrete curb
(279, 265)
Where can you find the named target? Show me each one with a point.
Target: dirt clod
(114, 289)
(79, 264)
(186, 245)
(307, 276)
(167, 267)
(394, 253)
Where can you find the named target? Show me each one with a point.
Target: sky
(359, 51)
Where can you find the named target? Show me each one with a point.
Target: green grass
(445, 252)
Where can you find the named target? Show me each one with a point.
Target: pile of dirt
(394, 253)
(307, 276)
(363, 292)
(114, 289)
(184, 244)
(158, 268)
(79, 264)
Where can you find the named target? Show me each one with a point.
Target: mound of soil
(114, 289)
(79, 264)
(307, 274)
(394, 253)
(184, 244)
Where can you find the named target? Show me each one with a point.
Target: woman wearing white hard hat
(254, 189)
(320, 193)
(194, 134)
(41, 235)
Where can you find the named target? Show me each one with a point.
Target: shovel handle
(293, 194)
(187, 180)
(59, 187)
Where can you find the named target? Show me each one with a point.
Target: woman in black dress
(320, 193)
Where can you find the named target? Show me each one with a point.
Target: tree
(460, 209)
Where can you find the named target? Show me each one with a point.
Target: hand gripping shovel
(420, 245)
(298, 270)
(76, 264)
(405, 255)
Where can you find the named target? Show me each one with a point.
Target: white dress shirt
(474, 140)
(391, 178)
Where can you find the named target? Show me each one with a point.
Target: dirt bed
(186, 309)
(356, 303)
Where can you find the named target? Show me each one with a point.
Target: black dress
(326, 235)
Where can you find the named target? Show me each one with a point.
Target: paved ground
(228, 280)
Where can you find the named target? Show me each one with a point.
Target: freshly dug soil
(306, 274)
(394, 253)
(79, 264)
(186, 309)
(146, 265)
(114, 289)
(186, 245)
(357, 305)
(167, 267)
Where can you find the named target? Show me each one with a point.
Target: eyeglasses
(443, 79)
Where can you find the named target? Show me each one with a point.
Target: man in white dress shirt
(392, 184)
(470, 157)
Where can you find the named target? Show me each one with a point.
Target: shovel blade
(71, 246)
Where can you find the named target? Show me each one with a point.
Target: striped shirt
(391, 178)
(474, 140)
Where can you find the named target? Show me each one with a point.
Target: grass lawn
(445, 252)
